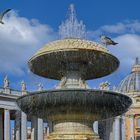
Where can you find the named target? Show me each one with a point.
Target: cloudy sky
(31, 24)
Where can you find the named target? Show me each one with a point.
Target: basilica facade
(130, 86)
(126, 126)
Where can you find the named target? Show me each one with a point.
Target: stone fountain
(73, 106)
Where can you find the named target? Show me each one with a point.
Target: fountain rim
(74, 89)
(67, 49)
(98, 45)
(92, 93)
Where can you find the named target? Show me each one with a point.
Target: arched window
(138, 122)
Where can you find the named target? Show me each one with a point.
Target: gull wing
(3, 13)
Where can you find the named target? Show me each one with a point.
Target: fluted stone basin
(89, 58)
(74, 104)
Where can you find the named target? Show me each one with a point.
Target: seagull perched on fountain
(3, 14)
(107, 41)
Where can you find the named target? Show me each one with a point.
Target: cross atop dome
(71, 27)
(136, 66)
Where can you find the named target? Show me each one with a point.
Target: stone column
(6, 124)
(117, 128)
(23, 126)
(23, 115)
(37, 129)
(37, 123)
(1, 125)
(17, 125)
(95, 127)
(40, 129)
(132, 127)
(34, 124)
(123, 128)
(112, 130)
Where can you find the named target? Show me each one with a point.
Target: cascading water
(73, 107)
(72, 28)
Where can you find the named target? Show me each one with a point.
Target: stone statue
(6, 82)
(114, 88)
(40, 87)
(23, 86)
(105, 85)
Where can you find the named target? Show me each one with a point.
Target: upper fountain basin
(90, 59)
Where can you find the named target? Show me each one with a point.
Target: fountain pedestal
(72, 106)
(73, 131)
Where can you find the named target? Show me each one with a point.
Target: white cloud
(19, 39)
(131, 27)
(128, 49)
(124, 27)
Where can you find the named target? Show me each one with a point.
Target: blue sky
(31, 24)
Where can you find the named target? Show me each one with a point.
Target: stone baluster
(7, 124)
(23, 115)
(6, 85)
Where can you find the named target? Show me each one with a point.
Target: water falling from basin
(72, 107)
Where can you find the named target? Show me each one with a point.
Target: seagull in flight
(107, 41)
(3, 14)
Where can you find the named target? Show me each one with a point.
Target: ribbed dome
(131, 83)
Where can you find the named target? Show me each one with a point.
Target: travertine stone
(1, 125)
(6, 124)
(73, 131)
(40, 129)
(23, 126)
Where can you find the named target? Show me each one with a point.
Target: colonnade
(19, 129)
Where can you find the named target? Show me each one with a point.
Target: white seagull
(2, 15)
(107, 41)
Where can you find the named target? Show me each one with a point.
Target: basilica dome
(131, 83)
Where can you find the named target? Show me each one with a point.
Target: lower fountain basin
(74, 104)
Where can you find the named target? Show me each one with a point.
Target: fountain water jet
(73, 107)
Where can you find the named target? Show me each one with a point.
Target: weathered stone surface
(59, 57)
